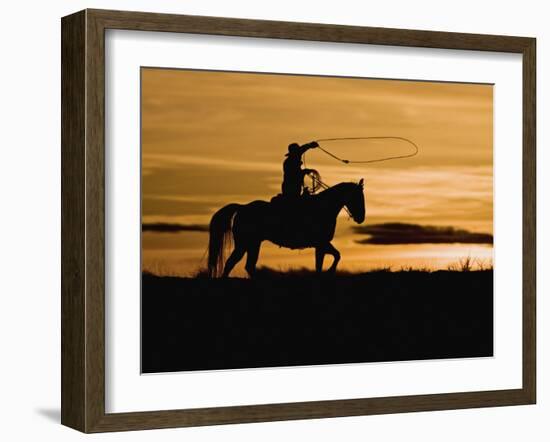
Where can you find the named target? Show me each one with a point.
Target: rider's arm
(308, 146)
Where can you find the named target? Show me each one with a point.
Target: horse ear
(361, 182)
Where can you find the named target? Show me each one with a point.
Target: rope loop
(377, 160)
(316, 178)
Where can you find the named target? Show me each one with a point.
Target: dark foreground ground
(302, 319)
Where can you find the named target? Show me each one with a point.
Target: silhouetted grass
(286, 318)
(469, 264)
(466, 264)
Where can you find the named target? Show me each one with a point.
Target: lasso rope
(377, 160)
(316, 178)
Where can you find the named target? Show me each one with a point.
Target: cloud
(403, 233)
(173, 228)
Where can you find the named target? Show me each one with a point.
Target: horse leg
(252, 254)
(331, 250)
(232, 261)
(319, 258)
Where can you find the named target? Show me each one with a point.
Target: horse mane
(335, 188)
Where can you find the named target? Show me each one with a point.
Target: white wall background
(30, 221)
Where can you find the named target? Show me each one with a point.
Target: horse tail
(220, 238)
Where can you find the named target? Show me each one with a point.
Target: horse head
(356, 202)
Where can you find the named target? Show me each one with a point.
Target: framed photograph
(267, 220)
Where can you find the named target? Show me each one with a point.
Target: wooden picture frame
(83, 220)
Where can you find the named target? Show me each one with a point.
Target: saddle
(282, 201)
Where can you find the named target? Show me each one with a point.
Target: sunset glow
(213, 138)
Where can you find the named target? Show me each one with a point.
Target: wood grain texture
(95, 222)
(73, 129)
(83, 218)
(308, 410)
(529, 220)
(144, 21)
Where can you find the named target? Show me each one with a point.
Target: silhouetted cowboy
(293, 178)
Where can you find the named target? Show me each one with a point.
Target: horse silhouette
(305, 222)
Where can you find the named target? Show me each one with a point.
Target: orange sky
(212, 138)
